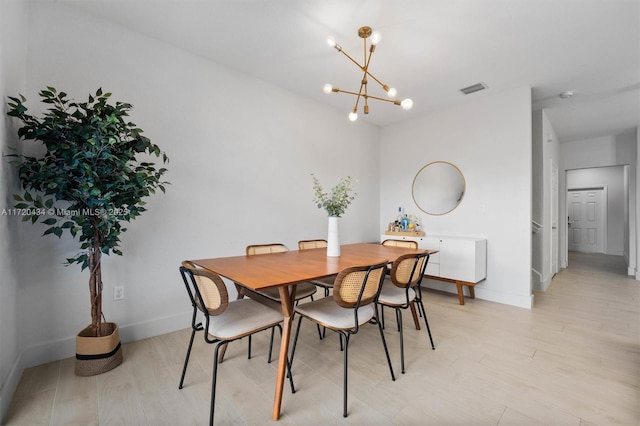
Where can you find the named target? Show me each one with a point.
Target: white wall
(490, 141)
(241, 152)
(13, 37)
(634, 214)
(627, 147)
(546, 154)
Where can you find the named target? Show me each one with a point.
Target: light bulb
(391, 92)
(327, 88)
(331, 41)
(375, 38)
(406, 104)
(353, 116)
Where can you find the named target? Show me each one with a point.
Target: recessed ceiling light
(473, 88)
(566, 95)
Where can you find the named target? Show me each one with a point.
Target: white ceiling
(429, 50)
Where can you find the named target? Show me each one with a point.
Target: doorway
(586, 220)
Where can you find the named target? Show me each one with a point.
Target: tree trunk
(95, 283)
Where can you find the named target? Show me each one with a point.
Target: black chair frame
(346, 334)
(417, 299)
(198, 300)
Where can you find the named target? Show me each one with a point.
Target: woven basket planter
(97, 355)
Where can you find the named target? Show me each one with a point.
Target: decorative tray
(405, 233)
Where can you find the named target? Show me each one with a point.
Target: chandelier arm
(363, 84)
(377, 81)
(393, 101)
(360, 95)
(365, 71)
(348, 56)
(348, 92)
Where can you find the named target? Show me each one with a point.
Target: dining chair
(324, 283)
(403, 288)
(224, 320)
(197, 326)
(400, 243)
(355, 293)
(406, 244)
(303, 290)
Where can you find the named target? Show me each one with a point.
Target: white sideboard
(459, 260)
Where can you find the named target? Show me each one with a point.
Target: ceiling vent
(473, 88)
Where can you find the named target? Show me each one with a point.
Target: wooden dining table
(285, 270)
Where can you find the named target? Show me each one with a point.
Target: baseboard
(537, 282)
(155, 327)
(525, 302)
(482, 293)
(543, 284)
(54, 350)
(9, 387)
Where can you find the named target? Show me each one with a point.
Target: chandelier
(363, 93)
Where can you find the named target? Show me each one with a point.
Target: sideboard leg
(460, 292)
(472, 293)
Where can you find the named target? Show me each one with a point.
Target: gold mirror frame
(438, 188)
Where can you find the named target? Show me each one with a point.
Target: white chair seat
(391, 295)
(302, 290)
(241, 318)
(328, 313)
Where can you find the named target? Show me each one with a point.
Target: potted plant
(91, 179)
(335, 202)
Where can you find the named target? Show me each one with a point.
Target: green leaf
(49, 231)
(94, 158)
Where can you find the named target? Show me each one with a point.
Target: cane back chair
(224, 320)
(324, 283)
(355, 293)
(403, 288)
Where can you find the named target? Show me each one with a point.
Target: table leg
(412, 305)
(286, 300)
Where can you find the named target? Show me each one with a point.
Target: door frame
(555, 216)
(605, 202)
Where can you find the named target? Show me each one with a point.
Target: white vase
(333, 240)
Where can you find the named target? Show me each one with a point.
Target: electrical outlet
(118, 292)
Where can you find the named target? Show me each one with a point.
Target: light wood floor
(573, 359)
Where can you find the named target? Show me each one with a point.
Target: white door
(554, 218)
(586, 220)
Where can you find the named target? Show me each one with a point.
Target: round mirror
(438, 188)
